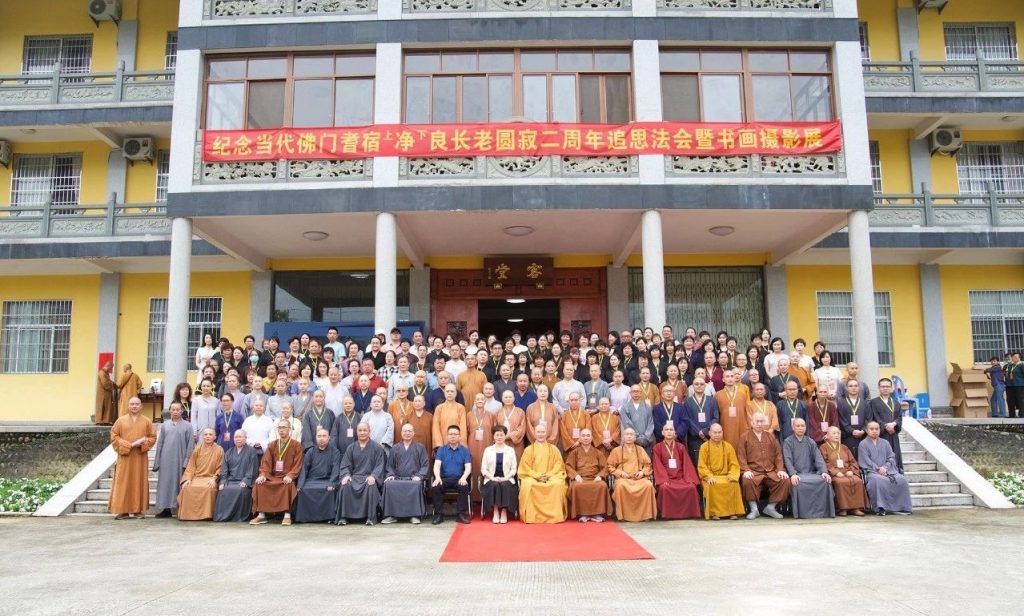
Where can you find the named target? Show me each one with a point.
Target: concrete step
(941, 500)
(935, 487)
(925, 465)
(100, 506)
(927, 476)
(103, 494)
(915, 456)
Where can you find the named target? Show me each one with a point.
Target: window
(876, 166)
(997, 323)
(835, 326)
(294, 90)
(865, 44)
(171, 52)
(50, 178)
(36, 336)
(333, 296)
(163, 172)
(721, 298)
(576, 85)
(41, 54)
(204, 316)
(998, 164)
(997, 41)
(720, 85)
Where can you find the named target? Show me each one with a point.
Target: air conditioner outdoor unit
(105, 10)
(945, 141)
(931, 4)
(138, 148)
(5, 153)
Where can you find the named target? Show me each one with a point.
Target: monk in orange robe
(132, 436)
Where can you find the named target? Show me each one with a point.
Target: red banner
(521, 139)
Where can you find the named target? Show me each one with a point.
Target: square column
(865, 329)
(934, 341)
(179, 283)
(652, 245)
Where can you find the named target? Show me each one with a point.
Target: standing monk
(606, 427)
(471, 381)
(104, 396)
(675, 478)
(128, 387)
(173, 450)
(479, 438)
(885, 410)
(572, 423)
(542, 412)
(198, 495)
(279, 469)
(448, 413)
(422, 423)
(132, 435)
(541, 481)
(514, 420)
(719, 471)
(732, 410)
(633, 494)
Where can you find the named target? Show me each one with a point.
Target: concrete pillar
(127, 41)
(934, 341)
(910, 37)
(419, 295)
(386, 277)
(865, 330)
(654, 270)
(106, 327)
(179, 283)
(261, 293)
(117, 175)
(618, 297)
(647, 74)
(645, 8)
(920, 164)
(777, 298)
(388, 109)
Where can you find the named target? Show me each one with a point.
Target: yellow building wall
(883, 32)
(140, 181)
(957, 281)
(904, 287)
(944, 173)
(156, 19)
(94, 167)
(69, 396)
(894, 157)
(930, 22)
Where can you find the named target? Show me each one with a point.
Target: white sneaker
(772, 513)
(389, 520)
(415, 520)
(584, 518)
(754, 514)
(598, 518)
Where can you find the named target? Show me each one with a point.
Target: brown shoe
(842, 514)
(858, 513)
(286, 522)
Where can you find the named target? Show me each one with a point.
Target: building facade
(120, 236)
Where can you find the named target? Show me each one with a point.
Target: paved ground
(935, 562)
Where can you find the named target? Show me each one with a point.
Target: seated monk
(719, 472)
(812, 485)
(362, 471)
(761, 464)
(851, 496)
(633, 493)
(280, 468)
(321, 468)
(198, 494)
(542, 481)
(237, 476)
(586, 468)
(404, 474)
(675, 478)
(887, 487)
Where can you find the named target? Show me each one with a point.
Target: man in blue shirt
(452, 466)
(995, 374)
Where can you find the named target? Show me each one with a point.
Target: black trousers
(450, 484)
(1014, 401)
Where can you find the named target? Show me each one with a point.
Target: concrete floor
(936, 562)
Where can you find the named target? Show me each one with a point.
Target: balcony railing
(978, 75)
(926, 209)
(60, 88)
(234, 9)
(94, 220)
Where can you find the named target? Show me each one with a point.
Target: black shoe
(438, 518)
(342, 522)
(463, 518)
(166, 513)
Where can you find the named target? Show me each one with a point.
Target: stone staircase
(930, 486)
(94, 501)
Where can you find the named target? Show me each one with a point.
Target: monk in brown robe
(198, 495)
(633, 493)
(606, 427)
(480, 438)
(422, 422)
(542, 411)
(104, 396)
(470, 381)
(732, 410)
(132, 435)
(448, 413)
(400, 410)
(648, 389)
(128, 387)
(761, 404)
(586, 468)
(762, 467)
(572, 423)
(275, 491)
(675, 478)
(514, 420)
(851, 497)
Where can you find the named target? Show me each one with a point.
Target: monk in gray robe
(343, 432)
(637, 414)
(811, 493)
(318, 416)
(321, 471)
(174, 446)
(403, 481)
(362, 471)
(888, 490)
(237, 476)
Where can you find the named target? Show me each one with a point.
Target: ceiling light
(515, 320)
(721, 230)
(518, 230)
(314, 236)
(516, 300)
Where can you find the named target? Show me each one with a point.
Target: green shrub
(1011, 485)
(25, 495)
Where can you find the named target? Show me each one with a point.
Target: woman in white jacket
(498, 468)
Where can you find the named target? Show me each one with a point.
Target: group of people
(1007, 380)
(636, 425)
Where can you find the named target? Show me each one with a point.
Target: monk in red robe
(675, 478)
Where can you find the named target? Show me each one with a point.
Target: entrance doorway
(532, 316)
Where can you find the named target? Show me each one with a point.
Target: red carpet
(484, 542)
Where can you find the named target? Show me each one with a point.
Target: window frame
(864, 35)
(56, 363)
(883, 325)
(156, 340)
(163, 174)
(75, 181)
(64, 41)
(171, 51)
(975, 315)
(976, 27)
(875, 160)
(971, 149)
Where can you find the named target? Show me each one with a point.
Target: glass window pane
(612, 60)
(769, 61)
(353, 102)
(417, 100)
(500, 98)
(458, 62)
(720, 60)
(721, 98)
(771, 98)
(266, 104)
(575, 61)
(421, 63)
(816, 61)
(313, 102)
(496, 61)
(267, 67)
(538, 61)
(442, 107)
(680, 61)
(812, 99)
(224, 105)
(356, 65)
(227, 69)
(563, 98)
(679, 99)
(535, 98)
(617, 98)
(474, 99)
(315, 66)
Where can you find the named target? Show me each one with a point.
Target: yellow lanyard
(888, 404)
(853, 407)
(793, 409)
(575, 419)
(700, 403)
(836, 450)
(281, 450)
(823, 411)
(606, 420)
(732, 396)
(759, 407)
(479, 420)
(671, 451)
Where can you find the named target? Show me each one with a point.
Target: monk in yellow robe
(761, 404)
(198, 495)
(719, 471)
(542, 411)
(572, 423)
(128, 387)
(732, 409)
(542, 487)
(104, 396)
(633, 495)
(470, 381)
(448, 413)
(606, 427)
(514, 420)
(132, 436)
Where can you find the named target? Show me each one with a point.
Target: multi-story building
(122, 233)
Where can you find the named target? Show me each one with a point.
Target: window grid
(835, 326)
(997, 41)
(163, 174)
(171, 51)
(53, 178)
(876, 166)
(997, 323)
(41, 54)
(865, 44)
(1001, 164)
(204, 316)
(36, 336)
